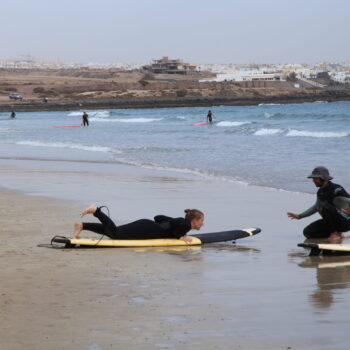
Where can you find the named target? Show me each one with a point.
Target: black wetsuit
(85, 119)
(161, 227)
(210, 117)
(330, 201)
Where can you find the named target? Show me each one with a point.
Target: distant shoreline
(134, 103)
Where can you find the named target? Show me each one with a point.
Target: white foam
(267, 132)
(127, 120)
(66, 145)
(75, 114)
(229, 124)
(97, 114)
(271, 115)
(319, 134)
(269, 104)
(101, 114)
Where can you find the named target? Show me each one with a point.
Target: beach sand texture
(262, 293)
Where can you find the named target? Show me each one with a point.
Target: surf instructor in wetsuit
(332, 204)
(161, 227)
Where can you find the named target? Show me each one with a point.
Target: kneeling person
(332, 204)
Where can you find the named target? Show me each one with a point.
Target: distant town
(29, 83)
(337, 71)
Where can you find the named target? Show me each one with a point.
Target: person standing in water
(332, 204)
(210, 116)
(85, 119)
(13, 114)
(161, 227)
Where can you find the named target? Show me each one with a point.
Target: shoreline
(62, 105)
(139, 298)
(155, 170)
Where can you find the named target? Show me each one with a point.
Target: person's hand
(293, 216)
(346, 211)
(186, 239)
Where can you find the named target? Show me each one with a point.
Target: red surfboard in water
(204, 123)
(66, 126)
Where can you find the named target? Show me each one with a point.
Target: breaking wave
(229, 124)
(66, 145)
(127, 120)
(319, 134)
(267, 132)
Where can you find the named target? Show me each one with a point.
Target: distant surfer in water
(161, 227)
(13, 114)
(332, 204)
(85, 119)
(210, 116)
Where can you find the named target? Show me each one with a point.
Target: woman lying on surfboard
(161, 227)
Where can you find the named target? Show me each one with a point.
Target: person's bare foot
(89, 210)
(78, 226)
(336, 236)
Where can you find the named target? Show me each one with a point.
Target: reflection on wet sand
(194, 253)
(232, 247)
(332, 274)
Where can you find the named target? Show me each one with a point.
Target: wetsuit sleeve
(179, 227)
(308, 212)
(341, 202)
(161, 218)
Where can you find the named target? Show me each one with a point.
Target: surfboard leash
(103, 206)
(66, 239)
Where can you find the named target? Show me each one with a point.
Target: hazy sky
(198, 31)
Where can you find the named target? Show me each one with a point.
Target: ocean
(267, 145)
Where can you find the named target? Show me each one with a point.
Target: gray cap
(321, 172)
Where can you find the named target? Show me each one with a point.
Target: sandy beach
(262, 293)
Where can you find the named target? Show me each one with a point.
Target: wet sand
(262, 293)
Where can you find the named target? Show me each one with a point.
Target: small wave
(320, 134)
(267, 132)
(228, 124)
(180, 117)
(101, 114)
(269, 104)
(66, 145)
(194, 171)
(128, 120)
(4, 129)
(273, 115)
(156, 149)
(75, 114)
(97, 114)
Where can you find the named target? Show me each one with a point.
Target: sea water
(269, 145)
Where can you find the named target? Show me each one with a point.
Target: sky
(197, 31)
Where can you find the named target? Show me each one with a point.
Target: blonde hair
(193, 214)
